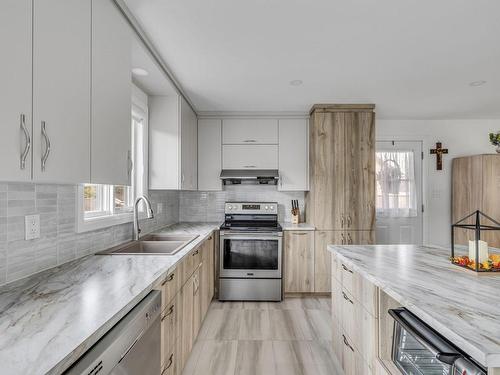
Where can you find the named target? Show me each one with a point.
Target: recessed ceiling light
(140, 72)
(477, 83)
(296, 82)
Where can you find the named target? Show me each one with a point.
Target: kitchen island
(47, 321)
(459, 305)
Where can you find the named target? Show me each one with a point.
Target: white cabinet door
(209, 154)
(189, 147)
(164, 143)
(250, 156)
(111, 95)
(15, 90)
(293, 155)
(61, 90)
(250, 131)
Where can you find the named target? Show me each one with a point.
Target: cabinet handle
(342, 221)
(346, 269)
(349, 239)
(196, 252)
(342, 238)
(210, 238)
(347, 298)
(170, 312)
(169, 278)
(249, 166)
(27, 140)
(249, 141)
(346, 343)
(349, 221)
(299, 233)
(45, 155)
(170, 362)
(130, 163)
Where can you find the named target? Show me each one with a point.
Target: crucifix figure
(439, 151)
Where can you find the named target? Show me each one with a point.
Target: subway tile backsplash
(209, 206)
(59, 242)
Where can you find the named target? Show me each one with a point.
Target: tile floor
(263, 338)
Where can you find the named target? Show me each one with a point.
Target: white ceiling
(155, 83)
(412, 58)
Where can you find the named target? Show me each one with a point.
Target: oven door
(250, 255)
(418, 349)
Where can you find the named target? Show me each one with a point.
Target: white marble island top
(49, 320)
(463, 307)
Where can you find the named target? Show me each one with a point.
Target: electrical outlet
(32, 227)
(159, 208)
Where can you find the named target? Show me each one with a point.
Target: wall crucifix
(439, 151)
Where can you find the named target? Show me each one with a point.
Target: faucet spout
(149, 213)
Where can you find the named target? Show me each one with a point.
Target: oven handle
(425, 335)
(234, 236)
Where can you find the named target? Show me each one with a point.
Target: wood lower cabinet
(322, 260)
(186, 295)
(299, 261)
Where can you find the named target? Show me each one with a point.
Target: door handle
(27, 140)
(46, 154)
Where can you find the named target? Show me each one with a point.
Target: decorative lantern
(472, 234)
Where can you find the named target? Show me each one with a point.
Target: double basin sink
(153, 244)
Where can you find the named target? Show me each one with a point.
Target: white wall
(461, 137)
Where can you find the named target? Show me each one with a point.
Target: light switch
(32, 227)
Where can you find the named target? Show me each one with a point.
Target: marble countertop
(461, 306)
(49, 320)
(300, 226)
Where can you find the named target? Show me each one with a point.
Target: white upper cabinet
(293, 155)
(111, 95)
(250, 131)
(15, 90)
(61, 91)
(250, 156)
(209, 154)
(189, 147)
(172, 144)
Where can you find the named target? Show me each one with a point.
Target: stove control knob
(272, 207)
(229, 207)
(266, 207)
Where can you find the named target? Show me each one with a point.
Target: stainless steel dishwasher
(131, 347)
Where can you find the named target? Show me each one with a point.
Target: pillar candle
(483, 251)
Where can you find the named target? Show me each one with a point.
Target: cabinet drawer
(250, 131)
(191, 262)
(361, 289)
(171, 364)
(337, 300)
(359, 326)
(170, 286)
(250, 157)
(168, 330)
(352, 362)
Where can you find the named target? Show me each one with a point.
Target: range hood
(249, 176)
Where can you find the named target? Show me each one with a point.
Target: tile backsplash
(209, 206)
(59, 242)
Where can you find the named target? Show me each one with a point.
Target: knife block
(295, 217)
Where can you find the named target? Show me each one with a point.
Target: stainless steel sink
(153, 244)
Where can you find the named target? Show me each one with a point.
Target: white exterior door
(399, 192)
(15, 93)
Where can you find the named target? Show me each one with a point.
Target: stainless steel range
(250, 252)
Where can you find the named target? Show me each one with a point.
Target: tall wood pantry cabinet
(341, 198)
(476, 186)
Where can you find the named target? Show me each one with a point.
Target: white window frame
(101, 219)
